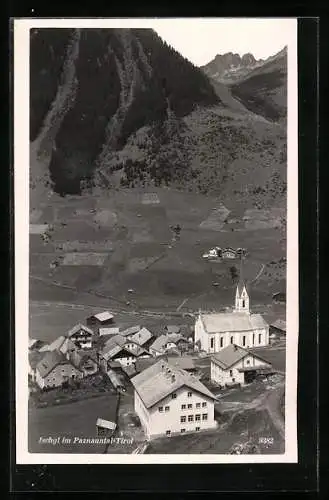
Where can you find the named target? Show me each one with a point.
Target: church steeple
(241, 295)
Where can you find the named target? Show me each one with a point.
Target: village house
(214, 332)
(165, 343)
(85, 361)
(228, 253)
(131, 330)
(278, 328)
(169, 329)
(54, 369)
(100, 320)
(235, 365)
(122, 350)
(171, 401)
(81, 336)
(183, 362)
(111, 330)
(143, 338)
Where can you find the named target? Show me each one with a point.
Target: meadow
(120, 248)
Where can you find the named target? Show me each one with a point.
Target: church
(240, 327)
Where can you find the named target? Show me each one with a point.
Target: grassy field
(134, 242)
(70, 420)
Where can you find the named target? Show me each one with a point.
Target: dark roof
(34, 358)
(172, 328)
(50, 360)
(231, 355)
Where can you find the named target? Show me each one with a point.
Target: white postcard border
(21, 206)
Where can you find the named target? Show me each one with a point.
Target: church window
(244, 340)
(243, 303)
(212, 343)
(253, 339)
(221, 341)
(231, 340)
(260, 338)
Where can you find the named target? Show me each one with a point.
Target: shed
(100, 319)
(105, 427)
(278, 327)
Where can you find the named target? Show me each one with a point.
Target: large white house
(169, 401)
(216, 331)
(235, 365)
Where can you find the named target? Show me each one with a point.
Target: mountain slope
(264, 90)
(228, 68)
(120, 107)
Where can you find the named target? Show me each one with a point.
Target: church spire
(241, 295)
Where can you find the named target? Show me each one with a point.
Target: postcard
(156, 240)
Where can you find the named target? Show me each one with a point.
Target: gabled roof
(34, 358)
(78, 327)
(162, 379)
(106, 424)
(160, 342)
(172, 328)
(280, 324)
(141, 337)
(232, 354)
(183, 362)
(50, 360)
(117, 343)
(130, 331)
(103, 316)
(67, 346)
(110, 330)
(55, 345)
(79, 357)
(232, 322)
(32, 343)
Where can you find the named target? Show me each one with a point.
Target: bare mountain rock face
(120, 107)
(229, 68)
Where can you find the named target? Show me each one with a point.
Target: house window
(197, 405)
(189, 406)
(260, 338)
(221, 341)
(231, 373)
(183, 419)
(190, 418)
(233, 380)
(205, 416)
(248, 362)
(212, 343)
(174, 395)
(197, 418)
(189, 394)
(160, 409)
(166, 408)
(183, 407)
(168, 433)
(204, 404)
(182, 430)
(244, 340)
(231, 340)
(197, 428)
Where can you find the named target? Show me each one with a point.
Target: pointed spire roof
(241, 283)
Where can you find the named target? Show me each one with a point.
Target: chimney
(173, 378)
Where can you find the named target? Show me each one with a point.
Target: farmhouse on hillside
(235, 365)
(54, 369)
(214, 332)
(171, 401)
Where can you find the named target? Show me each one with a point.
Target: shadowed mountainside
(120, 107)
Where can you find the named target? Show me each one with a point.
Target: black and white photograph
(156, 240)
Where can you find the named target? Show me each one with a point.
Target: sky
(200, 40)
